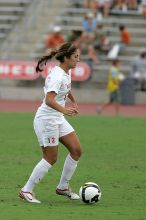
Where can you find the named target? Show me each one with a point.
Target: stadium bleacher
(72, 17)
(11, 12)
(19, 22)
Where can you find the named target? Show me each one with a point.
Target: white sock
(37, 174)
(69, 168)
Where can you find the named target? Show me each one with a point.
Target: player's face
(74, 59)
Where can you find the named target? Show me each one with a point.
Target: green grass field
(114, 156)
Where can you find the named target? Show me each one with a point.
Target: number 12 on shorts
(51, 140)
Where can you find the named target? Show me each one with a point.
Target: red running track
(84, 109)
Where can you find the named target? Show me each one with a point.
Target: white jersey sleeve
(53, 82)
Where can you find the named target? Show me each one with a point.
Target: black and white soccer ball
(90, 193)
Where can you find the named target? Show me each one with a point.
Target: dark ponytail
(65, 50)
(42, 61)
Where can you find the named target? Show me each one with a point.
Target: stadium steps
(14, 2)
(104, 59)
(136, 42)
(37, 21)
(110, 21)
(11, 12)
(8, 19)
(31, 44)
(113, 12)
(99, 75)
(2, 35)
(72, 18)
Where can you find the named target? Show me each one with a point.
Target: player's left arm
(71, 97)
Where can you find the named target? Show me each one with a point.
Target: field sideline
(113, 156)
(84, 108)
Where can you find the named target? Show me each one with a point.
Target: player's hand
(75, 105)
(71, 111)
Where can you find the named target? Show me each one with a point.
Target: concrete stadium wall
(82, 95)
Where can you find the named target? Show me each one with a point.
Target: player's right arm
(51, 102)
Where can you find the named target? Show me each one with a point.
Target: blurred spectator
(91, 4)
(125, 37)
(124, 5)
(100, 6)
(120, 4)
(103, 6)
(113, 86)
(75, 37)
(139, 70)
(101, 38)
(92, 55)
(89, 26)
(55, 39)
(144, 8)
(132, 4)
(89, 23)
(125, 40)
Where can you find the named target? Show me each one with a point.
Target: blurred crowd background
(104, 30)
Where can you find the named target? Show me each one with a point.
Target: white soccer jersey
(59, 82)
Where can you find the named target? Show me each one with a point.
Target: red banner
(25, 70)
(80, 73)
(18, 70)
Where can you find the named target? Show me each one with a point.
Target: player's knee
(54, 160)
(51, 160)
(79, 152)
(76, 154)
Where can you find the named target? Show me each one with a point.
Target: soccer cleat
(68, 193)
(28, 196)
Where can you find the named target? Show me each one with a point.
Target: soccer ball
(90, 193)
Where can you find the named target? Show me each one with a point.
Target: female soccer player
(50, 125)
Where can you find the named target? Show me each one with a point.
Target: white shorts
(49, 131)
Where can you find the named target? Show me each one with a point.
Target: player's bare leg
(71, 142)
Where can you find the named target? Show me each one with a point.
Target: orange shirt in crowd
(125, 37)
(55, 40)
